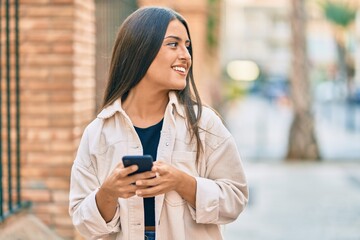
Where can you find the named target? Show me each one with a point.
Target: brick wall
(57, 49)
(57, 100)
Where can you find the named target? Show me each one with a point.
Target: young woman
(151, 106)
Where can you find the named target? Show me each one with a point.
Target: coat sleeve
(84, 185)
(222, 191)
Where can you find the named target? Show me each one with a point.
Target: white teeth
(180, 69)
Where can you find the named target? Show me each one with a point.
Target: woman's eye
(173, 44)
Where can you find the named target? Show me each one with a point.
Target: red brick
(37, 108)
(62, 96)
(50, 60)
(61, 1)
(60, 196)
(35, 146)
(49, 37)
(36, 195)
(36, 121)
(48, 10)
(60, 171)
(84, 93)
(51, 208)
(49, 87)
(61, 108)
(58, 90)
(24, 2)
(63, 48)
(58, 183)
(85, 71)
(61, 23)
(34, 48)
(62, 134)
(51, 159)
(35, 74)
(49, 133)
(85, 6)
(30, 24)
(62, 146)
(31, 172)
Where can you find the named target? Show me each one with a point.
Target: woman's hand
(168, 178)
(118, 185)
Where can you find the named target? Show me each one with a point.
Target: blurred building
(260, 31)
(65, 48)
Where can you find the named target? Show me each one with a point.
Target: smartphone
(144, 162)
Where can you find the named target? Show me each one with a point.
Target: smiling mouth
(179, 69)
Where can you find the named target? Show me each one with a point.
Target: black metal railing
(10, 187)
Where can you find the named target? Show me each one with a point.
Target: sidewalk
(300, 201)
(26, 226)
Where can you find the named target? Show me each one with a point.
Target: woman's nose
(184, 54)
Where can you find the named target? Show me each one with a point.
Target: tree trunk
(302, 142)
(342, 64)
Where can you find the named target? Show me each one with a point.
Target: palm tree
(341, 15)
(302, 141)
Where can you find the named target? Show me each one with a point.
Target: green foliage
(212, 22)
(234, 90)
(339, 12)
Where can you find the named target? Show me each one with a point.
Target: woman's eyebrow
(171, 36)
(177, 38)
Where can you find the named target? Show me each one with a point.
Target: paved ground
(318, 201)
(25, 226)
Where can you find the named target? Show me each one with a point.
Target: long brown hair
(137, 43)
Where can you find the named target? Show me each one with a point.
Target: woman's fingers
(163, 168)
(160, 180)
(150, 192)
(148, 182)
(124, 172)
(153, 187)
(144, 175)
(127, 191)
(120, 184)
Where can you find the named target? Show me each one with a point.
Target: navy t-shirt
(150, 138)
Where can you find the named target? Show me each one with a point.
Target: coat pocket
(185, 161)
(108, 158)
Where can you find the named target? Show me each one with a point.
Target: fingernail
(138, 193)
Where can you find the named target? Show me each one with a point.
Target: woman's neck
(145, 108)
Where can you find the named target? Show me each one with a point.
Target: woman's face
(171, 65)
